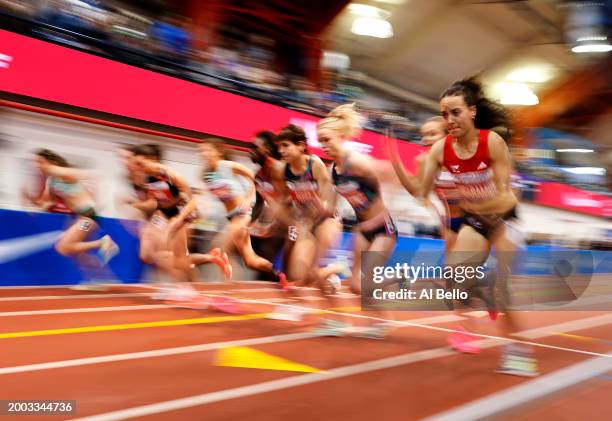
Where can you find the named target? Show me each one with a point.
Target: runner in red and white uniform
(479, 161)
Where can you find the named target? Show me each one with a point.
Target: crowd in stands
(166, 43)
(239, 64)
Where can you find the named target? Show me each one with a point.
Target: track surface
(411, 374)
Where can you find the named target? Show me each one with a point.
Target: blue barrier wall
(27, 256)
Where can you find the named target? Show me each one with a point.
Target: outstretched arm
(406, 178)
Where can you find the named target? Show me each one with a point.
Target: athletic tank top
(140, 189)
(58, 205)
(223, 183)
(263, 181)
(473, 176)
(65, 192)
(163, 190)
(445, 187)
(358, 191)
(63, 189)
(303, 188)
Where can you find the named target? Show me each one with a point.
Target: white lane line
(83, 310)
(142, 284)
(154, 353)
(281, 300)
(484, 343)
(34, 286)
(255, 389)
(239, 290)
(174, 350)
(594, 321)
(270, 386)
(75, 296)
(546, 330)
(312, 298)
(526, 392)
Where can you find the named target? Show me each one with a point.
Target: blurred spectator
(172, 39)
(19, 7)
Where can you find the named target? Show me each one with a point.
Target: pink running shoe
(282, 281)
(222, 260)
(493, 314)
(461, 341)
(225, 305)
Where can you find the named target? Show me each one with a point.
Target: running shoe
(342, 269)
(225, 305)
(196, 303)
(462, 341)
(375, 331)
(288, 313)
(180, 295)
(332, 328)
(222, 260)
(493, 314)
(334, 282)
(282, 281)
(108, 249)
(518, 360)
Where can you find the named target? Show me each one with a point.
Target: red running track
(409, 375)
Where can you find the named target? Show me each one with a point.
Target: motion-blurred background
(292, 61)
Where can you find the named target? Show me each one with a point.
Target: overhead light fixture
(530, 74)
(586, 27)
(372, 27)
(592, 48)
(335, 60)
(367, 11)
(516, 94)
(576, 150)
(592, 38)
(393, 2)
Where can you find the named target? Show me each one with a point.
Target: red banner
(567, 197)
(43, 70)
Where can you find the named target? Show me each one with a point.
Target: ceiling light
(368, 11)
(372, 27)
(394, 2)
(530, 74)
(516, 94)
(592, 38)
(576, 150)
(592, 48)
(335, 60)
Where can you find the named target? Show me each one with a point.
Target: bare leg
(72, 241)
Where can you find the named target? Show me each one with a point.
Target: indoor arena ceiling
(436, 42)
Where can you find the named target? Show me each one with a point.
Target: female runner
(479, 161)
(64, 183)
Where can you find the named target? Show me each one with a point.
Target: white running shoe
(288, 313)
(334, 281)
(107, 250)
